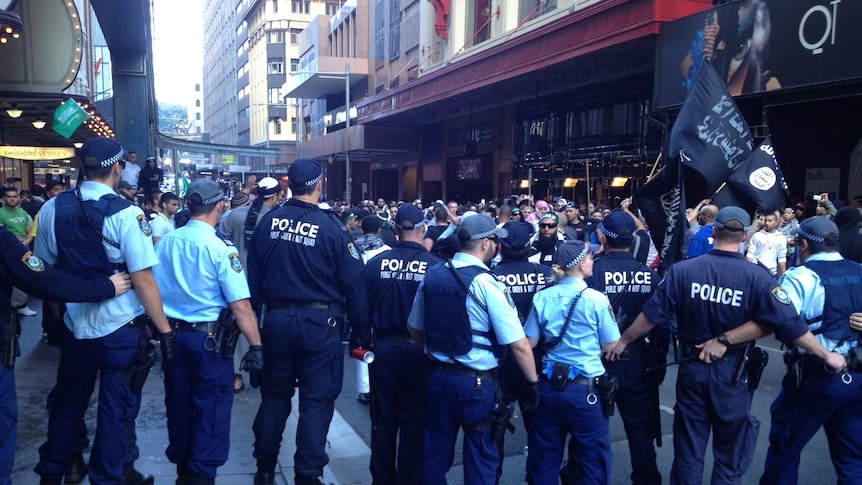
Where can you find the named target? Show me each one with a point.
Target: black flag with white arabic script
(760, 178)
(711, 131)
(662, 203)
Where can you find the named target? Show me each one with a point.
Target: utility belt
(336, 312)
(462, 370)
(604, 386)
(222, 335)
(750, 361)
(800, 365)
(9, 345)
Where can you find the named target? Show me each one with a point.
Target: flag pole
(718, 190)
(652, 172)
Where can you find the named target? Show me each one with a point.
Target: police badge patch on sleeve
(509, 297)
(781, 295)
(235, 263)
(354, 253)
(144, 224)
(33, 262)
(611, 311)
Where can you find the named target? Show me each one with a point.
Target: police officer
(628, 285)
(92, 231)
(301, 262)
(463, 316)
(400, 369)
(716, 299)
(576, 323)
(825, 291)
(200, 275)
(522, 279)
(23, 269)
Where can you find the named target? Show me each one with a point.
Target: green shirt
(16, 220)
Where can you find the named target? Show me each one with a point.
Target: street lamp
(346, 76)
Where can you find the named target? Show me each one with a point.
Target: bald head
(707, 214)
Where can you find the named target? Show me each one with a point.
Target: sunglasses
(547, 226)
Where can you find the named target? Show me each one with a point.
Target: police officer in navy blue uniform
(91, 231)
(628, 284)
(400, 368)
(720, 301)
(301, 263)
(523, 279)
(463, 317)
(23, 269)
(201, 275)
(825, 291)
(576, 323)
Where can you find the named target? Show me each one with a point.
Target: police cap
(732, 213)
(519, 234)
(101, 152)
(208, 190)
(619, 225)
(409, 217)
(819, 229)
(477, 226)
(571, 253)
(304, 172)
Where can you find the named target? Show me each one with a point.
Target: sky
(177, 49)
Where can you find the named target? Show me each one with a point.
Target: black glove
(360, 337)
(252, 362)
(530, 397)
(168, 343)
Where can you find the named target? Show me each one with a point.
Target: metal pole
(298, 124)
(347, 131)
(266, 128)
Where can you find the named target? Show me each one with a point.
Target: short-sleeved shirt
(94, 320)
(768, 248)
(131, 174)
(805, 290)
(161, 225)
(501, 316)
(720, 291)
(16, 220)
(198, 273)
(592, 325)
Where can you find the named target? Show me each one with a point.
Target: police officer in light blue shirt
(825, 291)
(200, 275)
(93, 231)
(576, 323)
(463, 316)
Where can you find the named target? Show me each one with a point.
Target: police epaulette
(224, 239)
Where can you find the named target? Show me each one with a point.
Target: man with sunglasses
(464, 317)
(546, 241)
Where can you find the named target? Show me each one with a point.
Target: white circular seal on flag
(762, 179)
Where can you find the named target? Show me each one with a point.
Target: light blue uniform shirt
(592, 325)
(130, 229)
(501, 315)
(199, 274)
(808, 296)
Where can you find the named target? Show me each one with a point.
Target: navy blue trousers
(823, 400)
(8, 423)
(707, 400)
(198, 398)
(80, 362)
(300, 349)
(451, 402)
(559, 414)
(398, 376)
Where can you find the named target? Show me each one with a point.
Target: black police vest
(841, 281)
(79, 246)
(523, 279)
(447, 325)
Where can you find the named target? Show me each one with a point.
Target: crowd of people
(468, 309)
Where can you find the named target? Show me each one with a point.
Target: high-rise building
(219, 96)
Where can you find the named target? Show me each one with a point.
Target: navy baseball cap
(207, 189)
(102, 152)
(732, 213)
(618, 225)
(519, 234)
(409, 217)
(817, 229)
(304, 172)
(571, 253)
(477, 227)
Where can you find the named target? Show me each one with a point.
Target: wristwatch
(722, 339)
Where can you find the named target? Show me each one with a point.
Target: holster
(501, 421)
(854, 358)
(793, 379)
(226, 334)
(659, 343)
(560, 376)
(9, 346)
(607, 385)
(756, 363)
(740, 373)
(145, 355)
